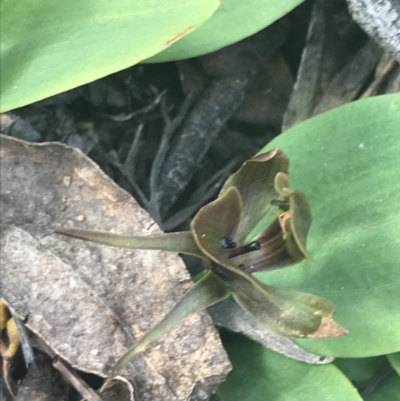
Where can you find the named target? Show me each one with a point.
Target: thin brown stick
(80, 386)
(7, 379)
(377, 81)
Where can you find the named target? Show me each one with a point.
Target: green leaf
(233, 21)
(394, 360)
(260, 374)
(346, 161)
(389, 391)
(50, 47)
(206, 292)
(182, 242)
(361, 370)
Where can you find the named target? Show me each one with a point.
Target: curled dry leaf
(87, 302)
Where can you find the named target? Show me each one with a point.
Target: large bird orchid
(221, 234)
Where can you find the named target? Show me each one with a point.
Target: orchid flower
(221, 234)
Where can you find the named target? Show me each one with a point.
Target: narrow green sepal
(219, 219)
(206, 292)
(181, 242)
(255, 182)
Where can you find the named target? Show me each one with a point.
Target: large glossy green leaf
(361, 370)
(48, 47)
(390, 390)
(234, 20)
(347, 162)
(260, 374)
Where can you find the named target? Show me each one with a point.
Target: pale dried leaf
(89, 303)
(323, 55)
(348, 82)
(331, 71)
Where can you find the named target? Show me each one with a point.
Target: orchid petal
(206, 292)
(255, 182)
(173, 242)
(273, 252)
(283, 243)
(215, 221)
(299, 216)
(286, 312)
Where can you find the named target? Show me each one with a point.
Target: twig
(129, 164)
(170, 127)
(116, 164)
(377, 81)
(144, 110)
(7, 377)
(201, 127)
(80, 386)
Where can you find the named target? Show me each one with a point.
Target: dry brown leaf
(323, 54)
(89, 303)
(347, 83)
